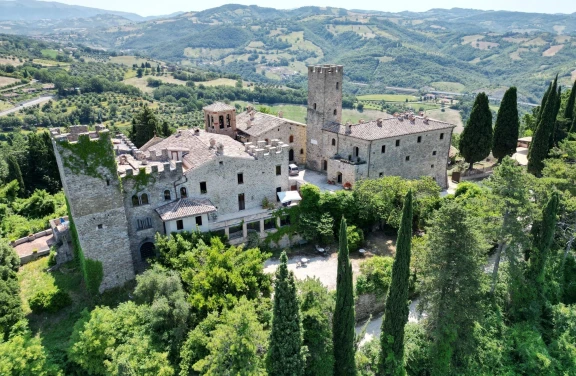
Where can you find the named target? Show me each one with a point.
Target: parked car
(293, 170)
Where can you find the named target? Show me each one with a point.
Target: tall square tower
(324, 107)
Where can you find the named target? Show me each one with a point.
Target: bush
(52, 257)
(49, 301)
(375, 276)
(355, 238)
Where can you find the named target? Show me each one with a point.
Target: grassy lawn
(50, 63)
(131, 60)
(142, 83)
(220, 82)
(452, 87)
(5, 105)
(55, 328)
(5, 81)
(448, 116)
(51, 54)
(388, 97)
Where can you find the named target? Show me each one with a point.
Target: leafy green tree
(237, 345)
(23, 354)
(285, 353)
(396, 309)
(14, 173)
(10, 303)
(573, 126)
(375, 276)
(144, 127)
(138, 357)
(452, 284)
(507, 126)
(540, 145)
(316, 308)
(42, 171)
(569, 111)
(476, 139)
(344, 317)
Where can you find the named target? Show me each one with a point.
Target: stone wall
(283, 133)
(368, 304)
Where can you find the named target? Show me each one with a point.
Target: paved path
(39, 244)
(30, 103)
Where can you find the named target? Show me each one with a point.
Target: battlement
(261, 150)
(78, 131)
(326, 69)
(157, 171)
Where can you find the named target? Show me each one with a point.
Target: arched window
(135, 201)
(301, 151)
(167, 195)
(266, 141)
(183, 193)
(325, 165)
(221, 121)
(208, 119)
(228, 121)
(356, 151)
(144, 199)
(333, 142)
(291, 138)
(314, 106)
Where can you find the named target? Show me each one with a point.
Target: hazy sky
(159, 7)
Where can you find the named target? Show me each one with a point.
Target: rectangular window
(240, 178)
(397, 142)
(278, 190)
(431, 166)
(179, 224)
(434, 152)
(199, 220)
(380, 174)
(383, 149)
(100, 227)
(278, 170)
(407, 158)
(285, 221)
(269, 223)
(441, 136)
(419, 139)
(203, 188)
(241, 202)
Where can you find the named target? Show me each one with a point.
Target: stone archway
(147, 250)
(339, 178)
(291, 155)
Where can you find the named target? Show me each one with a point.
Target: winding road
(29, 103)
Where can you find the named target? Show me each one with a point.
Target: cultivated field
(453, 87)
(553, 50)
(142, 83)
(10, 61)
(131, 60)
(5, 81)
(448, 116)
(388, 97)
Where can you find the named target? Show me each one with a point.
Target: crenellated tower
(88, 171)
(220, 118)
(324, 107)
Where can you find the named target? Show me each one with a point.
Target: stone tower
(220, 118)
(324, 107)
(87, 167)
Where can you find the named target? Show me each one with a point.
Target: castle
(227, 177)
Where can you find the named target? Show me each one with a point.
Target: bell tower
(220, 118)
(324, 107)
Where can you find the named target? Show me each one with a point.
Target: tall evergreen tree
(14, 173)
(569, 111)
(543, 104)
(285, 353)
(144, 127)
(540, 145)
(507, 126)
(552, 138)
(344, 316)
(396, 309)
(573, 127)
(476, 139)
(452, 281)
(10, 303)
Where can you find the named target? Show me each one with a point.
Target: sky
(156, 7)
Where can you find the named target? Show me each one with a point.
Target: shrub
(355, 238)
(52, 257)
(375, 276)
(49, 301)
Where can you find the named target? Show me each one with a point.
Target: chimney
(197, 132)
(220, 148)
(379, 122)
(249, 123)
(252, 114)
(212, 143)
(426, 120)
(361, 121)
(280, 114)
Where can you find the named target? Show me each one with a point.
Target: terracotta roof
(197, 148)
(261, 123)
(185, 207)
(153, 141)
(392, 127)
(219, 106)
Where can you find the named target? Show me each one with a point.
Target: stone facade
(220, 118)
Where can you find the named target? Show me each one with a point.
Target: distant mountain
(29, 10)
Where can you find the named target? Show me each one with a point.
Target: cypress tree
(573, 127)
(14, 173)
(506, 127)
(552, 139)
(344, 315)
(569, 111)
(540, 145)
(396, 309)
(476, 139)
(144, 127)
(543, 104)
(285, 356)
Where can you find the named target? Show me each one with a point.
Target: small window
(380, 174)
(199, 220)
(278, 170)
(100, 227)
(431, 166)
(221, 121)
(325, 165)
(108, 182)
(407, 158)
(383, 149)
(144, 199)
(335, 112)
(356, 151)
(221, 163)
(183, 192)
(333, 142)
(241, 202)
(267, 141)
(180, 224)
(441, 136)
(240, 178)
(291, 139)
(419, 139)
(314, 106)
(301, 151)
(434, 152)
(397, 142)
(337, 85)
(203, 187)
(167, 195)
(228, 121)
(135, 201)
(278, 190)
